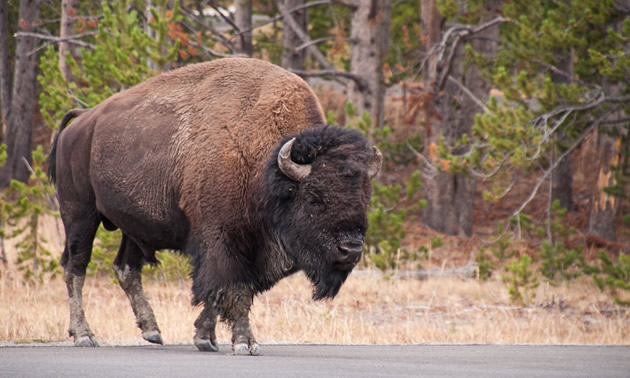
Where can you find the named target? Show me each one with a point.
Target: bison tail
(52, 169)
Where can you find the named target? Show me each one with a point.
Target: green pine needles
(32, 200)
(123, 55)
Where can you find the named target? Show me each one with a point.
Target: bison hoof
(153, 337)
(85, 341)
(245, 350)
(205, 345)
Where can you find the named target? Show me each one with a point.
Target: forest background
(505, 125)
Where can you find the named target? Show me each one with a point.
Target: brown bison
(227, 161)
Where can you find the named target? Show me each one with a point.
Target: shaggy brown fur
(188, 160)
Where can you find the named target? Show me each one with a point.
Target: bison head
(321, 184)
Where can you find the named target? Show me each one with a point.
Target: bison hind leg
(80, 232)
(128, 269)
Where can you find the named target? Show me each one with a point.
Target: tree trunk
(291, 59)
(562, 179)
(148, 5)
(562, 176)
(449, 114)
(368, 46)
(5, 73)
(20, 118)
(68, 16)
(604, 207)
(243, 21)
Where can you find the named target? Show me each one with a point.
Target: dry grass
(368, 310)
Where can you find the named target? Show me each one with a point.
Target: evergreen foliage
(120, 59)
(522, 280)
(561, 69)
(500, 246)
(559, 263)
(484, 265)
(390, 205)
(4, 210)
(172, 267)
(612, 276)
(33, 199)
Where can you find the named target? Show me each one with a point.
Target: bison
(228, 161)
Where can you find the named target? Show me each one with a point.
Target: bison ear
(291, 169)
(375, 162)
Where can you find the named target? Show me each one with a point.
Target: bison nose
(348, 254)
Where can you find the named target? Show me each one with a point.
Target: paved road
(318, 361)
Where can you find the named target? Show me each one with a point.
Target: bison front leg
(205, 338)
(235, 310)
(128, 269)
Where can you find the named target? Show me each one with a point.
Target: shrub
(522, 280)
(32, 200)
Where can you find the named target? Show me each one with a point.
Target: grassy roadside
(368, 310)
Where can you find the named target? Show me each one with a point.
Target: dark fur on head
(331, 203)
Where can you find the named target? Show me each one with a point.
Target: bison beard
(175, 163)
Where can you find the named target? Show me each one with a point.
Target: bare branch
(566, 153)
(601, 98)
(292, 10)
(459, 33)
(360, 81)
(28, 165)
(430, 171)
(558, 71)
(38, 48)
(223, 16)
(345, 4)
(495, 171)
(548, 132)
(202, 22)
(313, 42)
(81, 102)
(214, 53)
(469, 93)
(70, 39)
(290, 21)
(615, 121)
(449, 63)
(542, 121)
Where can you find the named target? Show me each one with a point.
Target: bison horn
(291, 169)
(375, 162)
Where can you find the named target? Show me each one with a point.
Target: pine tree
(563, 72)
(33, 199)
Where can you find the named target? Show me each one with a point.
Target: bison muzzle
(227, 161)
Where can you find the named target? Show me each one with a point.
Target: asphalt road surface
(305, 360)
